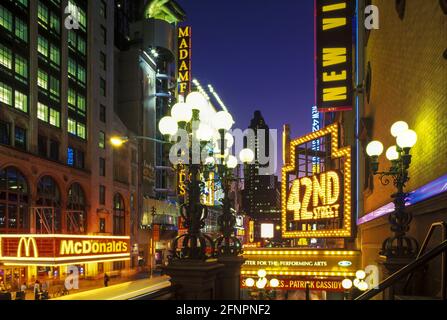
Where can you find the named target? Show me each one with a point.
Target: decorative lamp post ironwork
(400, 245)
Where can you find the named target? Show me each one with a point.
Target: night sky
(258, 55)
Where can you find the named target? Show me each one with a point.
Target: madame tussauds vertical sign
(184, 60)
(334, 46)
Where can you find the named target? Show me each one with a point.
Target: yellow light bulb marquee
(323, 196)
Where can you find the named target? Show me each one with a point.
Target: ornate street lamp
(194, 244)
(399, 246)
(262, 282)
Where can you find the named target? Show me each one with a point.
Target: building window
(77, 129)
(76, 208)
(104, 35)
(103, 61)
(14, 201)
(21, 29)
(42, 79)
(118, 215)
(102, 113)
(55, 24)
(102, 229)
(81, 131)
(54, 150)
(102, 195)
(75, 158)
(55, 55)
(54, 87)
(20, 138)
(118, 265)
(71, 67)
(102, 87)
(5, 133)
(20, 101)
(48, 115)
(42, 14)
(21, 67)
(5, 18)
(42, 146)
(42, 112)
(103, 9)
(49, 196)
(102, 167)
(5, 94)
(82, 47)
(5, 57)
(42, 46)
(102, 140)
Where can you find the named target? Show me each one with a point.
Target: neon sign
(59, 249)
(184, 60)
(334, 54)
(323, 197)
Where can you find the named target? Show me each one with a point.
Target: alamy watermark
(264, 143)
(372, 17)
(73, 17)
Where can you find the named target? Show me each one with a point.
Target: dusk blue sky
(258, 55)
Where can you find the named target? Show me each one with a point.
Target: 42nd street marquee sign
(318, 205)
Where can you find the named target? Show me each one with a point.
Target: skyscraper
(261, 197)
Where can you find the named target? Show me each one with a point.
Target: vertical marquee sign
(184, 60)
(334, 46)
(318, 205)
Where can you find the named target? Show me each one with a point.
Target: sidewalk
(87, 285)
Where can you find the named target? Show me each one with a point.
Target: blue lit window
(70, 157)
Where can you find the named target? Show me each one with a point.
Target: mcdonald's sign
(60, 249)
(28, 243)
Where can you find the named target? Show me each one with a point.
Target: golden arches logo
(27, 242)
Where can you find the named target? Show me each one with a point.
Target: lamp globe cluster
(212, 126)
(405, 140)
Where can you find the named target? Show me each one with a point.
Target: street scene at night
(251, 151)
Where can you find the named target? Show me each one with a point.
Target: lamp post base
(197, 280)
(229, 280)
(389, 266)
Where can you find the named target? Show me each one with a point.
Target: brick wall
(409, 83)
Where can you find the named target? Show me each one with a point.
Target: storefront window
(76, 209)
(49, 199)
(14, 200)
(118, 215)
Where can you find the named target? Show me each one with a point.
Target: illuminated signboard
(184, 60)
(294, 284)
(62, 249)
(251, 231)
(208, 197)
(267, 230)
(316, 120)
(181, 181)
(334, 89)
(296, 262)
(319, 205)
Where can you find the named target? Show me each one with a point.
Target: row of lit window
(48, 20)
(13, 24)
(76, 71)
(49, 51)
(13, 98)
(77, 42)
(49, 84)
(12, 61)
(76, 102)
(77, 128)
